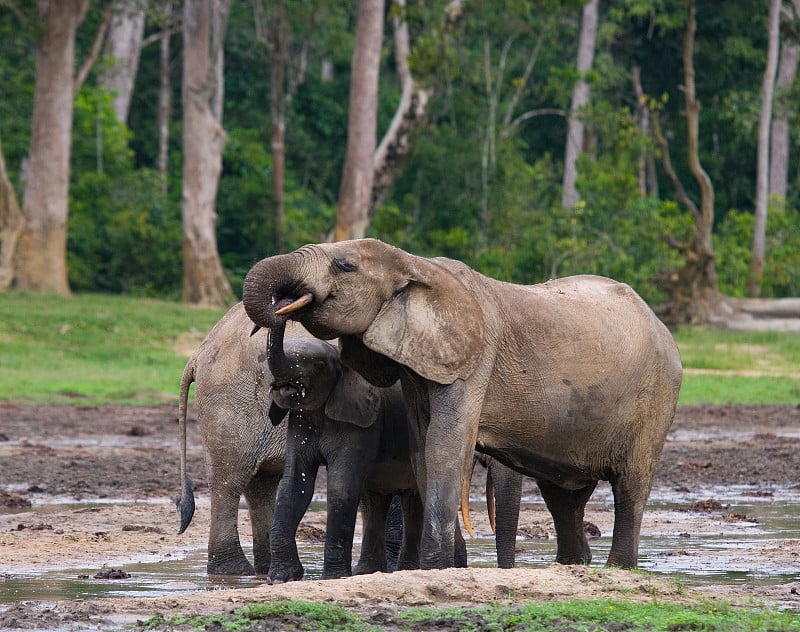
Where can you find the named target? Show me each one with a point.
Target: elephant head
(412, 310)
(307, 375)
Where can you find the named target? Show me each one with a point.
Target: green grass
(574, 616)
(728, 367)
(97, 349)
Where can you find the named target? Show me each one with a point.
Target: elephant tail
(185, 502)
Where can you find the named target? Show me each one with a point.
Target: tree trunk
(124, 47)
(409, 116)
(355, 195)
(204, 281)
(779, 137)
(762, 157)
(580, 97)
(272, 28)
(693, 289)
(10, 225)
(164, 97)
(41, 258)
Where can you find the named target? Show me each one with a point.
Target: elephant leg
(225, 555)
(459, 548)
(393, 532)
(449, 445)
(507, 490)
(260, 496)
(374, 511)
(295, 491)
(567, 508)
(408, 558)
(345, 483)
(630, 496)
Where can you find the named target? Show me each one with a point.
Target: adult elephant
(244, 451)
(570, 382)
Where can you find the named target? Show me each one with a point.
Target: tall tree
(779, 135)
(41, 257)
(164, 95)
(693, 289)
(10, 225)
(204, 282)
(762, 153)
(123, 47)
(355, 194)
(580, 98)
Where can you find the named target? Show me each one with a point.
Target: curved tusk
(490, 507)
(465, 507)
(293, 307)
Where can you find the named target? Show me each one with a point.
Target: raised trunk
(271, 284)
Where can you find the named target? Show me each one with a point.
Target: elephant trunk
(274, 285)
(279, 364)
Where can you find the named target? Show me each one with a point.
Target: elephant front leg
(567, 508)
(292, 500)
(225, 555)
(448, 446)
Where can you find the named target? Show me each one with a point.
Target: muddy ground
(127, 458)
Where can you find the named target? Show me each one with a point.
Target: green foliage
(124, 235)
(95, 349)
(733, 243)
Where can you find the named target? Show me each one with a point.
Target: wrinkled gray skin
(503, 492)
(570, 382)
(359, 432)
(244, 451)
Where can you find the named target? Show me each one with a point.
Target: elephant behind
(245, 452)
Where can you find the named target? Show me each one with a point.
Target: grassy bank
(96, 349)
(569, 616)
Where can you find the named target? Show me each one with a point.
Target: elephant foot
(238, 567)
(288, 573)
(368, 568)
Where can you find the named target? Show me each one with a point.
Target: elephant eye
(343, 265)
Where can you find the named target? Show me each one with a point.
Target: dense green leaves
(482, 183)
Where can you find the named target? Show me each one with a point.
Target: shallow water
(763, 548)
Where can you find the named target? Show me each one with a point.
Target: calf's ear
(432, 325)
(353, 400)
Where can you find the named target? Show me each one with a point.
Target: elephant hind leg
(225, 554)
(374, 510)
(260, 496)
(567, 508)
(630, 497)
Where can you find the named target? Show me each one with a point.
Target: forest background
(672, 141)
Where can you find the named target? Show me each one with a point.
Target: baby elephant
(245, 452)
(359, 432)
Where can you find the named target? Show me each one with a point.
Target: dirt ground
(127, 459)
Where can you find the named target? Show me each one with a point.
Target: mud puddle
(705, 537)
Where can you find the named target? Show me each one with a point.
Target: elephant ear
(353, 400)
(434, 324)
(276, 414)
